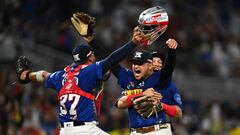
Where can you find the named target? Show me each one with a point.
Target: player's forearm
(179, 112)
(38, 76)
(122, 103)
(102, 52)
(118, 55)
(127, 101)
(168, 69)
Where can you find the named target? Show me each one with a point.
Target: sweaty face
(142, 71)
(157, 64)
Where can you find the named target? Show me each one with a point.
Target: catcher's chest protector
(70, 86)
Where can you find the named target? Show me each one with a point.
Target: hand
(172, 43)
(137, 36)
(154, 96)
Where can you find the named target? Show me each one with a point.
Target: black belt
(75, 123)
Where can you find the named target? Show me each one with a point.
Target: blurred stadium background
(207, 72)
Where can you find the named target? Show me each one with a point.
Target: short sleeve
(50, 82)
(176, 97)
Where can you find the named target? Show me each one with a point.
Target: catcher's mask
(81, 53)
(153, 23)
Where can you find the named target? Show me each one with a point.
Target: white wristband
(39, 76)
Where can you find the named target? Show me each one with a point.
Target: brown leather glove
(83, 23)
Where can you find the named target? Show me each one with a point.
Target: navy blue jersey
(73, 106)
(130, 86)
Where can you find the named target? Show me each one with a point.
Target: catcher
(76, 84)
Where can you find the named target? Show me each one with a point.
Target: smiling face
(142, 70)
(157, 64)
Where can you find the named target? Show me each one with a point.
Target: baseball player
(133, 83)
(76, 85)
(158, 63)
(152, 118)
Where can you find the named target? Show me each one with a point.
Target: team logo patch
(177, 98)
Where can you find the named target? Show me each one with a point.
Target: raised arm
(168, 69)
(84, 25)
(118, 55)
(100, 51)
(122, 52)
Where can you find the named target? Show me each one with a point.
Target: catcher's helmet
(81, 53)
(153, 23)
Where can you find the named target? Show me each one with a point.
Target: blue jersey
(130, 86)
(73, 106)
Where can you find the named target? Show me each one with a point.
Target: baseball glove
(146, 107)
(23, 64)
(143, 105)
(83, 23)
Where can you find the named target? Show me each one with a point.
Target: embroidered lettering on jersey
(132, 92)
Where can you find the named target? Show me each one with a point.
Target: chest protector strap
(70, 86)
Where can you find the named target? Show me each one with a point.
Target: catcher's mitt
(23, 70)
(83, 23)
(145, 106)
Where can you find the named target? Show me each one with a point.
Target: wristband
(130, 97)
(39, 76)
(169, 109)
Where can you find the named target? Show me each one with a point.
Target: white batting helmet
(153, 23)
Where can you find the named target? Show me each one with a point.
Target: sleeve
(176, 99)
(102, 52)
(99, 72)
(118, 55)
(50, 82)
(122, 77)
(166, 72)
